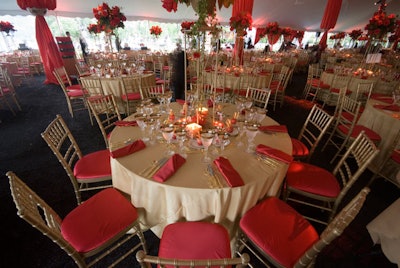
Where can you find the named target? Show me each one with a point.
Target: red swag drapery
(273, 38)
(259, 32)
(331, 14)
(238, 7)
(47, 47)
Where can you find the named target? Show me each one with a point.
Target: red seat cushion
(357, 129)
(93, 165)
(195, 240)
(97, 220)
(279, 230)
(132, 96)
(396, 156)
(74, 87)
(312, 179)
(299, 149)
(75, 93)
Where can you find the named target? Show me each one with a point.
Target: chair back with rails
(86, 172)
(88, 233)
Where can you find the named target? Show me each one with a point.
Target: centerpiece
(240, 23)
(155, 31)
(6, 27)
(381, 24)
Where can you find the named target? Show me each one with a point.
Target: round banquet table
(384, 122)
(187, 195)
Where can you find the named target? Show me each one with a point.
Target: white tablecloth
(384, 122)
(187, 195)
(385, 230)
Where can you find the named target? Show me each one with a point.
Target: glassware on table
(181, 136)
(250, 115)
(248, 103)
(260, 115)
(168, 134)
(251, 132)
(206, 140)
(141, 121)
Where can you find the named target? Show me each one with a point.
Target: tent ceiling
(297, 14)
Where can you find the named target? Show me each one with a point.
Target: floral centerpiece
(155, 30)
(186, 25)
(355, 34)
(273, 28)
(381, 24)
(241, 22)
(340, 35)
(108, 18)
(93, 28)
(287, 31)
(6, 26)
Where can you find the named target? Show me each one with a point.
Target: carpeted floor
(23, 151)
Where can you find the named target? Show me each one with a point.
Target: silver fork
(155, 165)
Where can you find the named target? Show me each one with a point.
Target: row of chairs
(8, 95)
(252, 231)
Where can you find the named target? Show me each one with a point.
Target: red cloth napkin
(274, 153)
(128, 149)
(279, 128)
(126, 123)
(230, 174)
(169, 168)
(394, 108)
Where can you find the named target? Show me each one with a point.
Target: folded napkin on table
(169, 168)
(279, 128)
(230, 174)
(274, 153)
(126, 123)
(394, 108)
(128, 149)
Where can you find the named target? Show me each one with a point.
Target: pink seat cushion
(93, 165)
(357, 129)
(74, 87)
(132, 96)
(279, 230)
(195, 240)
(312, 179)
(299, 149)
(97, 220)
(75, 93)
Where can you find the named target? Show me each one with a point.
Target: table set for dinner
(186, 162)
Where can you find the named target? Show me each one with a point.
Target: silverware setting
(214, 180)
(120, 144)
(268, 160)
(149, 171)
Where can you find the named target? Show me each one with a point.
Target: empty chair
(193, 244)
(131, 92)
(277, 234)
(314, 128)
(278, 86)
(7, 89)
(319, 188)
(105, 110)
(260, 96)
(62, 75)
(363, 92)
(86, 172)
(314, 83)
(75, 96)
(88, 233)
(332, 96)
(92, 86)
(346, 128)
(151, 91)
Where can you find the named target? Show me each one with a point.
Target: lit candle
(193, 130)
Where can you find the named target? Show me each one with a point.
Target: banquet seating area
(292, 93)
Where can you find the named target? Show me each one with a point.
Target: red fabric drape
(259, 32)
(331, 14)
(242, 5)
(273, 38)
(48, 49)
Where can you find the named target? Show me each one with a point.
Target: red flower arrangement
(155, 30)
(108, 18)
(186, 25)
(299, 34)
(93, 28)
(381, 24)
(6, 26)
(354, 34)
(273, 28)
(363, 38)
(340, 35)
(287, 31)
(241, 21)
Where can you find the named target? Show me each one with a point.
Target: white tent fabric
(297, 14)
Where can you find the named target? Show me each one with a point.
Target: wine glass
(141, 121)
(260, 115)
(251, 132)
(206, 140)
(181, 136)
(168, 134)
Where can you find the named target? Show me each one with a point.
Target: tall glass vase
(238, 50)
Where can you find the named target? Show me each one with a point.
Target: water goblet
(141, 121)
(168, 134)
(248, 103)
(251, 132)
(181, 136)
(250, 115)
(260, 115)
(206, 140)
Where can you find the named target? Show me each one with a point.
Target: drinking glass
(168, 134)
(181, 136)
(251, 132)
(206, 140)
(260, 115)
